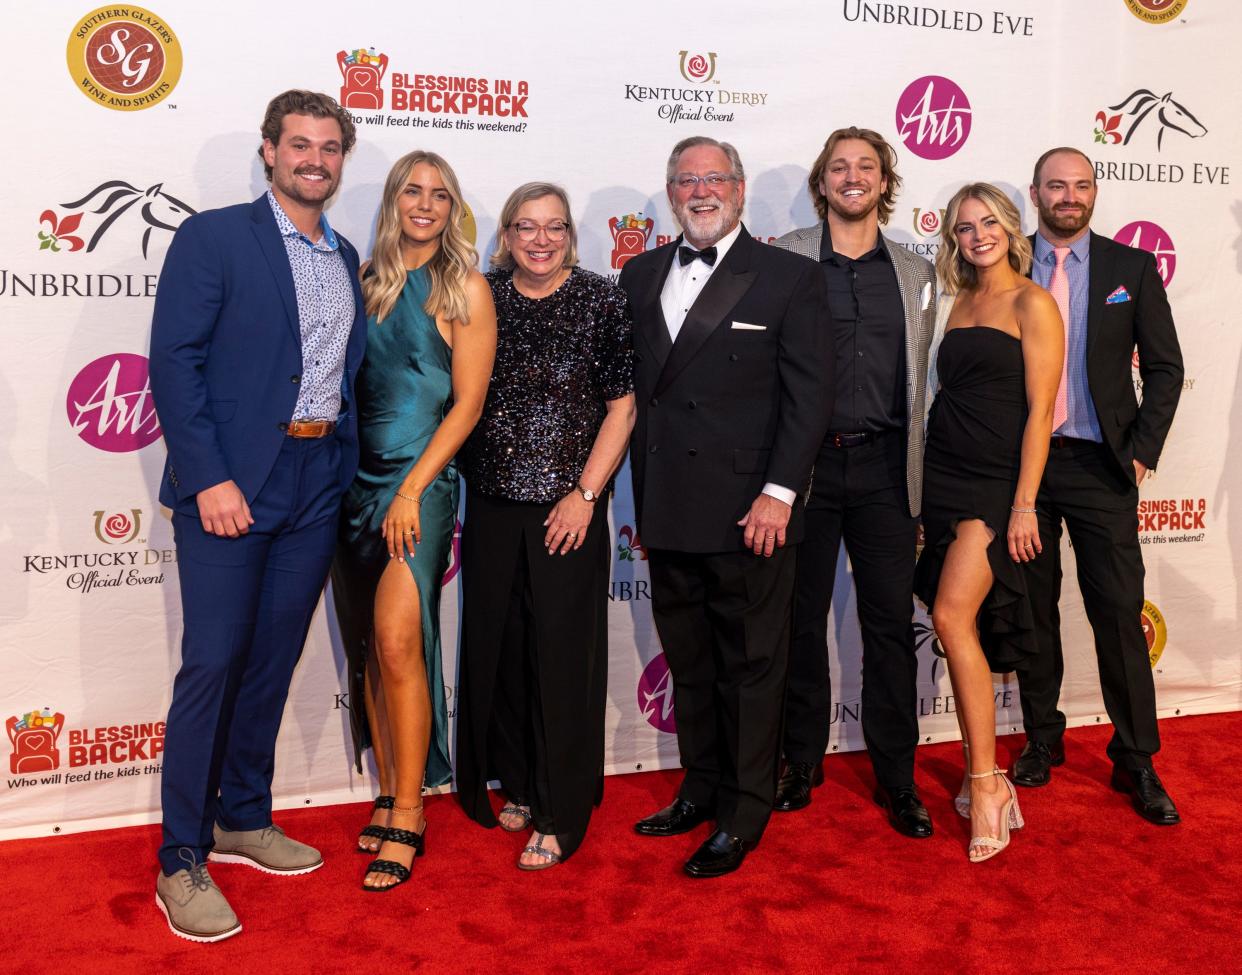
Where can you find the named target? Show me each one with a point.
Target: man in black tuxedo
(733, 377)
(1102, 450)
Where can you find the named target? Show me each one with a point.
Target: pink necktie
(1058, 286)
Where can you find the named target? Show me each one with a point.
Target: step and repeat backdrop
(145, 115)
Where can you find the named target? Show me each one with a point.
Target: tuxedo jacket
(742, 398)
(226, 353)
(916, 282)
(1139, 317)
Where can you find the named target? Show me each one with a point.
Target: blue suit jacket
(226, 353)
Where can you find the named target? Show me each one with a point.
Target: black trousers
(1083, 489)
(859, 496)
(723, 621)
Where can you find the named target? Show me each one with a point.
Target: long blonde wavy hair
(449, 267)
(954, 271)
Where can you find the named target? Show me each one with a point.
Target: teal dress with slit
(404, 389)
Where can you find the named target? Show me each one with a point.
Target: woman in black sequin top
(535, 545)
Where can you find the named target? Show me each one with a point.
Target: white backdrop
(164, 121)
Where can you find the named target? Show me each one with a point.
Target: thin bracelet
(1022, 511)
(408, 498)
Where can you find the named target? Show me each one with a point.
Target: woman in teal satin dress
(431, 340)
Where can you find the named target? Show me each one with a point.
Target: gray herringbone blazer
(916, 280)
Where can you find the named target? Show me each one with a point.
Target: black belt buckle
(851, 439)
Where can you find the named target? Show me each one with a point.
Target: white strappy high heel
(1011, 818)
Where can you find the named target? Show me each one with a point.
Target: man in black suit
(1103, 448)
(733, 367)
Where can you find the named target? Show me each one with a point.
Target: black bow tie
(688, 254)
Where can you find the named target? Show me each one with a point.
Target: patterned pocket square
(1118, 297)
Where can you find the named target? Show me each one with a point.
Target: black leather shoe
(906, 812)
(1147, 795)
(720, 854)
(1034, 766)
(681, 817)
(793, 791)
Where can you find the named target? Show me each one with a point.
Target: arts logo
(1155, 11)
(629, 546)
(110, 405)
(1154, 631)
(927, 222)
(362, 72)
(1151, 237)
(655, 695)
(629, 237)
(33, 737)
(118, 528)
(124, 58)
(1145, 111)
(698, 69)
(933, 117)
(151, 210)
(454, 565)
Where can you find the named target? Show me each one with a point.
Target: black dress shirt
(870, 325)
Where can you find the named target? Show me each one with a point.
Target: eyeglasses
(713, 181)
(529, 230)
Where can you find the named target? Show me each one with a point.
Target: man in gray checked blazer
(868, 477)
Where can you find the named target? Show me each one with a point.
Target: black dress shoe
(720, 854)
(906, 812)
(1147, 795)
(681, 817)
(1034, 766)
(793, 791)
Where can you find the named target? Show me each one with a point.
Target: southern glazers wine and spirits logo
(124, 58)
(1156, 11)
(112, 204)
(1154, 631)
(933, 117)
(110, 406)
(1151, 237)
(1143, 111)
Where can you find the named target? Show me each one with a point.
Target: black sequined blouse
(559, 359)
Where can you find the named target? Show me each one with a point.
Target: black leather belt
(849, 439)
(1059, 442)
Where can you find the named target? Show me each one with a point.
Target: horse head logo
(112, 200)
(1170, 114)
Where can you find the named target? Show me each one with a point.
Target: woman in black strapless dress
(999, 366)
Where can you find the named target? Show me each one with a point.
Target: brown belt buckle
(310, 429)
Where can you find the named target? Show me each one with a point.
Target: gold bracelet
(408, 498)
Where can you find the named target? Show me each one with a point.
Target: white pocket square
(927, 293)
(746, 326)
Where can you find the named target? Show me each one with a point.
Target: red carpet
(1087, 887)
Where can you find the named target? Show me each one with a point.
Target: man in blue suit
(257, 335)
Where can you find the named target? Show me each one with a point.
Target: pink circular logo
(454, 565)
(1151, 237)
(933, 117)
(110, 405)
(655, 695)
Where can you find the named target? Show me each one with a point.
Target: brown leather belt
(309, 429)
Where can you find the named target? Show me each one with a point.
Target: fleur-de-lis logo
(60, 231)
(1107, 128)
(629, 545)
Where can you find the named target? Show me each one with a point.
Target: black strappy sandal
(391, 867)
(371, 829)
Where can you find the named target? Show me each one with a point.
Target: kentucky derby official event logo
(117, 528)
(151, 210)
(706, 100)
(655, 695)
(926, 223)
(698, 68)
(1145, 111)
(362, 71)
(1154, 631)
(110, 405)
(933, 117)
(1151, 237)
(630, 234)
(1155, 11)
(124, 58)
